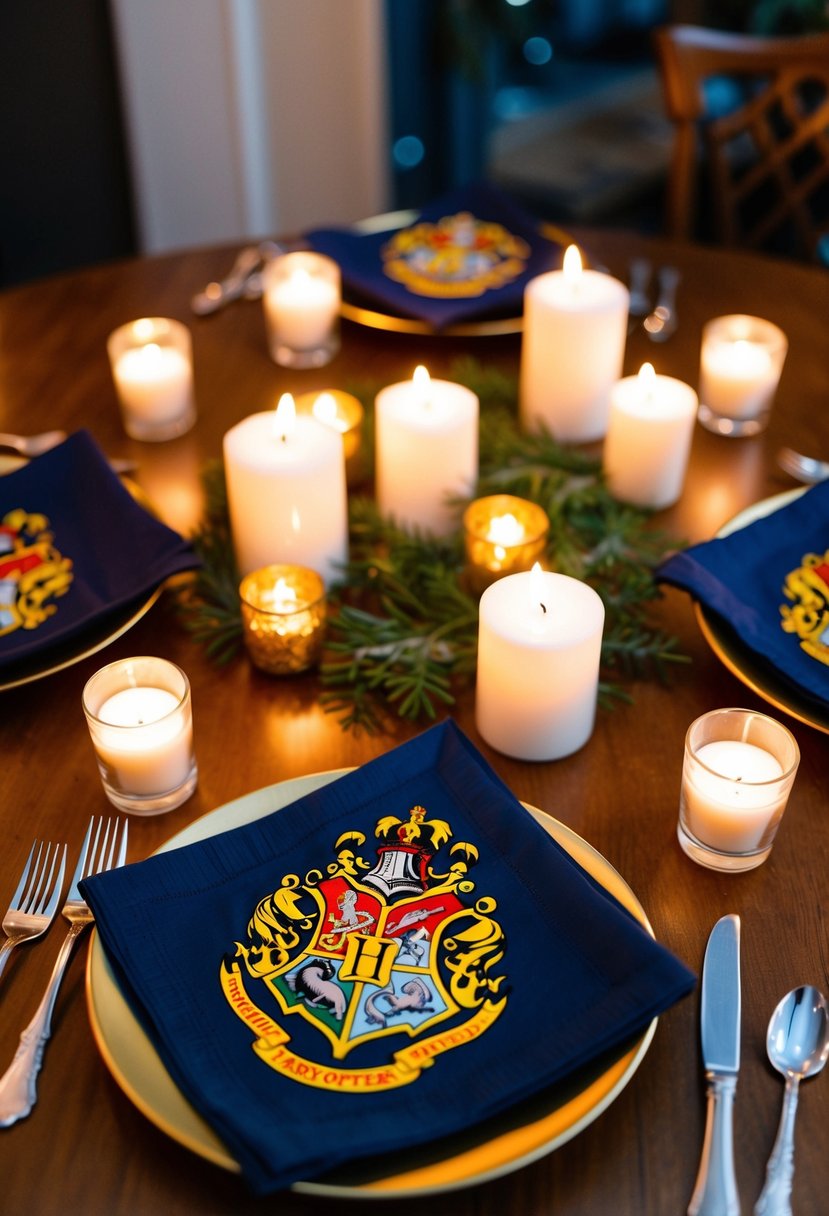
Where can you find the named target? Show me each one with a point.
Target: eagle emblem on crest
(807, 615)
(401, 954)
(459, 256)
(32, 571)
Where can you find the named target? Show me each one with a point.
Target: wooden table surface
(86, 1148)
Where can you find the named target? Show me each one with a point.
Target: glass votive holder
(738, 771)
(301, 295)
(740, 365)
(152, 366)
(283, 618)
(140, 719)
(502, 535)
(341, 412)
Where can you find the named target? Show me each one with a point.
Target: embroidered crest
(32, 571)
(394, 952)
(459, 256)
(808, 614)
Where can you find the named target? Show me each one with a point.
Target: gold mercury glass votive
(344, 413)
(283, 618)
(503, 535)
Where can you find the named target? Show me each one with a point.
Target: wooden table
(85, 1148)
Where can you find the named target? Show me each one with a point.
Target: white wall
(248, 118)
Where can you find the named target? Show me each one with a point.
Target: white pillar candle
(575, 327)
(426, 450)
(286, 491)
(727, 805)
(151, 364)
(539, 646)
(649, 438)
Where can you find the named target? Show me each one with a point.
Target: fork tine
(50, 908)
(24, 878)
(122, 851)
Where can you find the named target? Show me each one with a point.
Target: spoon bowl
(797, 1044)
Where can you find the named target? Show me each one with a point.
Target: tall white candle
(539, 646)
(575, 327)
(426, 450)
(144, 741)
(728, 806)
(286, 491)
(649, 438)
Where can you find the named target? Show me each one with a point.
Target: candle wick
(544, 608)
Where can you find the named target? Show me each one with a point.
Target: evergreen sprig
(403, 626)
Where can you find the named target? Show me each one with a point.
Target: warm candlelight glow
(143, 329)
(283, 618)
(505, 530)
(325, 408)
(572, 264)
(503, 535)
(284, 421)
(423, 385)
(282, 598)
(151, 363)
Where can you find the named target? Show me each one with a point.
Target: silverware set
(797, 1045)
(661, 321)
(243, 281)
(31, 911)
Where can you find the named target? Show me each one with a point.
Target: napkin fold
(468, 254)
(74, 547)
(769, 583)
(394, 957)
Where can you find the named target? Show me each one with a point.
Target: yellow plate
(64, 654)
(532, 1130)
(373, 318)
(737, 657)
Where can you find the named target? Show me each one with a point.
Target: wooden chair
(767, 161)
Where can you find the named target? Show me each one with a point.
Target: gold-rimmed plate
(500, 1145)
(726, 644)
(364, 312)
(103, 633)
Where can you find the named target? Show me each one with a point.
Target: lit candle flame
(505, 530)
(537, 585)
(284, 421)
(647, 380)
(325, 409)
(423, 384)
(143, 329)
(571, 266)
(282, 598)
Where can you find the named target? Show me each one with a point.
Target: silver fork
(662, 323)
(34, 903)
(807, 469)
(18, 1086)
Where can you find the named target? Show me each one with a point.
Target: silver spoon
(663, 321)
(32, 445)
(797, 1044)
(803, 468)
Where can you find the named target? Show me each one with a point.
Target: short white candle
(144, 741)
(575, 328)
(539, 646)
(286, 491)
(737, 378)
(302, 308)
(154, 382)
(727, 806)
(426, 450)
(649, 438)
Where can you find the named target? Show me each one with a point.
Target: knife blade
(715, 1191)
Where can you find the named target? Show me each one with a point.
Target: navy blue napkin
(399, 955)
(74, 547)
(470, 253)
(769, 584)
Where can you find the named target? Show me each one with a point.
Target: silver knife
(715, 1192)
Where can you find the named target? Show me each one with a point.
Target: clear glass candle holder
(740, 365)
(738, 771)
(301, 296)
(502, 535)
(152, 367)
(140, 720)
(283, 618)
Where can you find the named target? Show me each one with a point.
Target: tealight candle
(286, 491)
(649, 438)
(539, 646)
(283, 618)
(342, 412)
(426, 450)
(738, 771)
(740, 365)
(152, 366)
(301, 297)
(575, 328)
(140, 721)
(503, 534)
